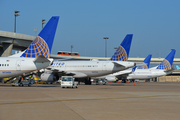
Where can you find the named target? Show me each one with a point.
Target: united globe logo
(37, 47)
(164, 65)
(119, 55)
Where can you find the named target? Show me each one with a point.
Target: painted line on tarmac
(152, 96)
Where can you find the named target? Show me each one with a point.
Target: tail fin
(146, 62)
(166, 64)
(42, 44)
(134, 68)
(177, 67)
(122, 53)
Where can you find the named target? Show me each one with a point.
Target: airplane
(87, 69)
(177, 67)
(164, 68)
(124, 73)
(35, 57)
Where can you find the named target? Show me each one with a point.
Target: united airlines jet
(164, 68)
(88, 69)
(123, 74)
(35, 57)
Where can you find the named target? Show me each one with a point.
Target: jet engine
(49, 77)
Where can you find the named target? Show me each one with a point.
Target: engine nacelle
(48, 77)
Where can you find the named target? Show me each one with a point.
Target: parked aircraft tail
(146, 63)
(122, 53)
(42, 44)
(177, 67)
(166, 64)
(134, 68)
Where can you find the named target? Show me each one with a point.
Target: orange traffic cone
(134, 83)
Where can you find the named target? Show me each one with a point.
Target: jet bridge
(16, 41)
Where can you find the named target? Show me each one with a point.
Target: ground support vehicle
(101, 81)
(21, 83)
(68, 81)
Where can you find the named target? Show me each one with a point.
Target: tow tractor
(21, 83)
(68, 81)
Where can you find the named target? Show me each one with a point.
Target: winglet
(122, 53)
(134, 68)
(146, 63)
(42, 44)
(166, 64)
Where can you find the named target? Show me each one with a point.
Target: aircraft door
(104, 66)
(18, 65)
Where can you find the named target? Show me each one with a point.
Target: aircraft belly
(97, 73)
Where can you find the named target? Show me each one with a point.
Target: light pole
(15, 14)
(43, 22)
(71, 49)
(105, 38)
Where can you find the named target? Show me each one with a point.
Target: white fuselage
(147, 73)
(82, 69)
(14, 66)
(137, 74)
(113, 76)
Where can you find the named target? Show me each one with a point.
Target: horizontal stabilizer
(41, 59)
(117, 64)
(170, 70)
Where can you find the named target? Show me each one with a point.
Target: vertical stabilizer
(42, 44)
(166, 64)
(122, 53)
(146, 62)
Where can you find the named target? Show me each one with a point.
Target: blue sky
(155, 24)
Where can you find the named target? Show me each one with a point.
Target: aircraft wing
(117, 64)
(75, 74)
(124, 64)
(123, 73)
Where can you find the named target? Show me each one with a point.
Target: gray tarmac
(115, 101)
